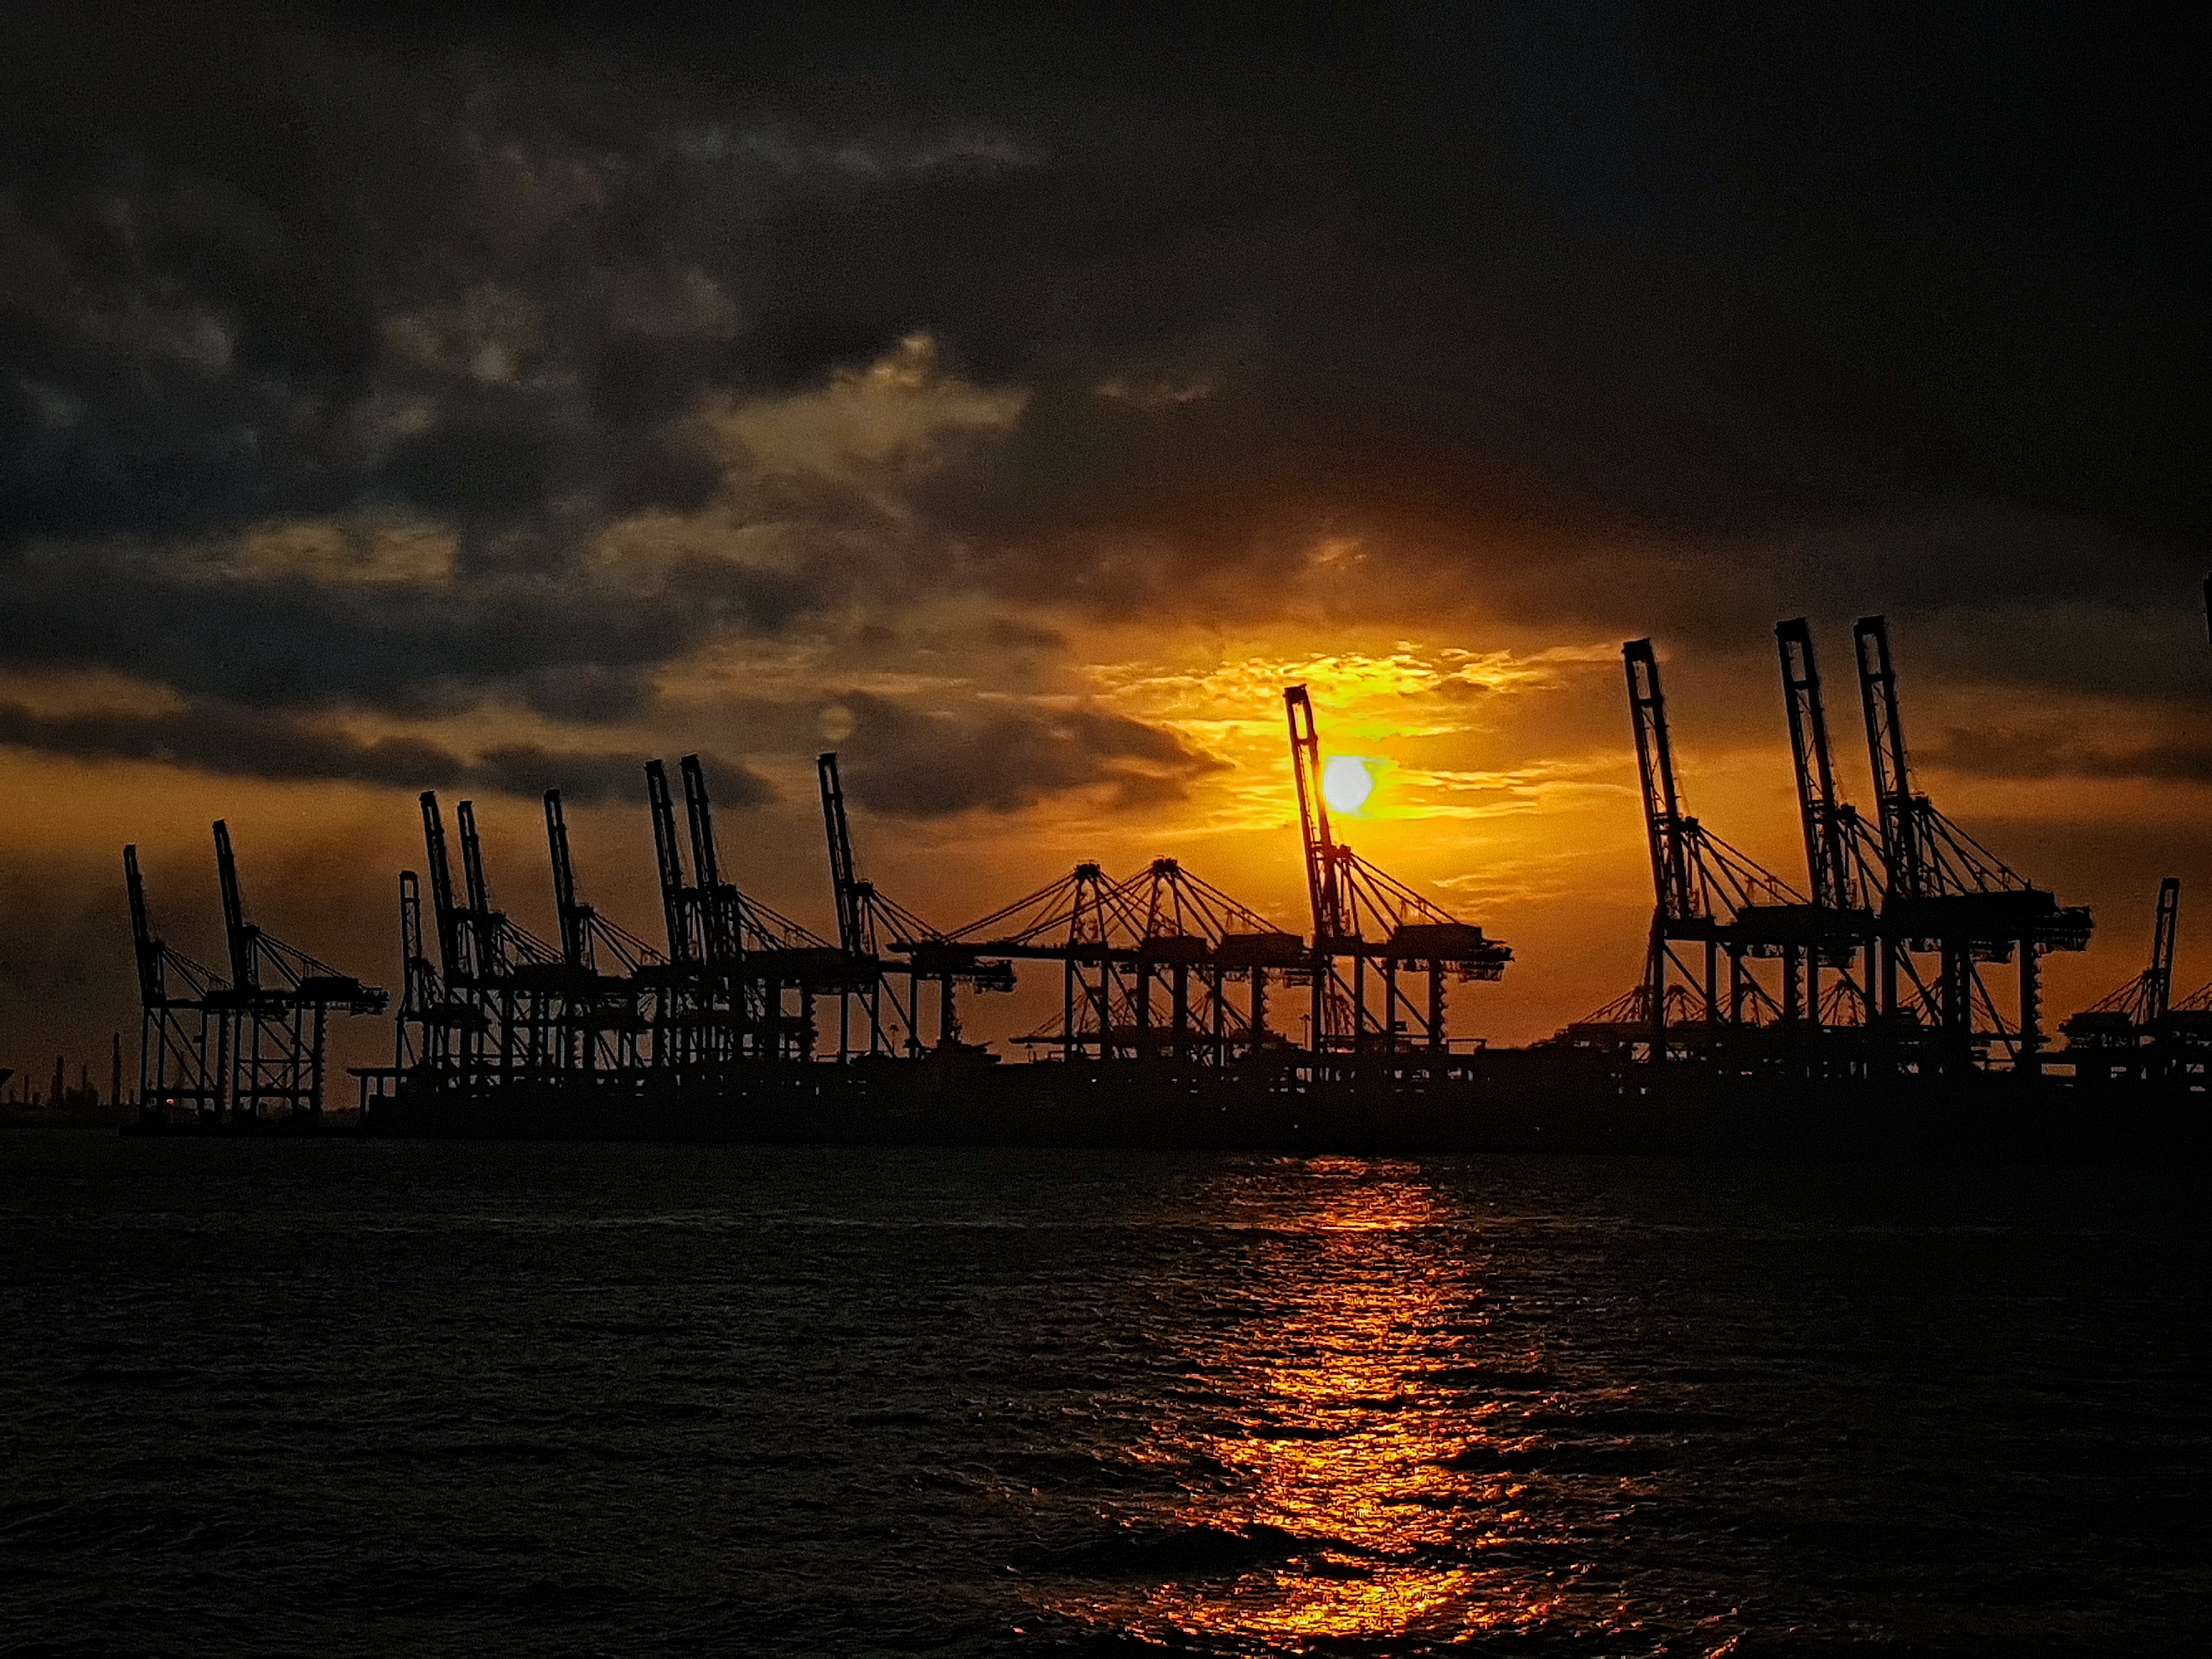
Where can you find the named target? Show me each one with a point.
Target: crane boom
(1827, 851)
(1322, 886)
(2158, 982)
(576, 919)
(705, 861)
(1886, 753)
(482, 921)
(414, 964)
(719, 927)
(668, 854)
(152, 987)
(843, 882)
(441, 889)
(235, 929)
(1675, 892)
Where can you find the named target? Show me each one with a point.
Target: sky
(489, 399)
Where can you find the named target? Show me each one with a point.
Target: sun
(1346, 782)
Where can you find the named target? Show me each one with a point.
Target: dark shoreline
(1502, 1100)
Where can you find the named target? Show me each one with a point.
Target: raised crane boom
(235, 928)
(1663, 823)
(843, 883)
(668, 854)
(1820, 814)
(2109, 1030)
(423, 1031)
(705, 861)
(450, 948)
(483, 921)
(576, 919)
(719, 913)
(1323, 886)
(1901, 849)
(2158, 979)
(179, 1053)
(152, 986)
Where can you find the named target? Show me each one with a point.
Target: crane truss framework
(870, 926)
(1147, 965)
(1939, 891)
(251, 1047)
(1385, 931)
(1947, 895)
(737, 983)
(1709, 894)
(2140, 1029)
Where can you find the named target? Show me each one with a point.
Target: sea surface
(359, 1397)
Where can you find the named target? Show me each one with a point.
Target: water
(465, 1399)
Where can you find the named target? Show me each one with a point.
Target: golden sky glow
(1009, 699)
(1508, 794)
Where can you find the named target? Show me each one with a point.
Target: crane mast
(144, 946)
(420, 999)
(843, 883)
(1820, 814)
(575, 918)
(1663, 822)
(1841, 923)
(452, 951)
(668, 854)
(1892, 777)
(720, 939)
(1895, 813)
(1322, 886)
(2158, 979)
(484, 922)
(236, 930)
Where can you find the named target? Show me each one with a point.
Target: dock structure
(1904, 914)
(1170, 988)
(253, 1047)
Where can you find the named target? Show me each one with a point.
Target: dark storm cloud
(2057, 751)
(298, 641)
(232, 742)
(1626, 320)
(914, 764)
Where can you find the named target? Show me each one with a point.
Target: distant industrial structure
(1170, 988)
(1906, 913)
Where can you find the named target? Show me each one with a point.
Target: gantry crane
(1365, 916)
(178, 1033)
(1842, 855)
(272, 1020)
(1144, 965)
(742, 979)
(497, 1020)
(2108, 1036)
(602, 1026)
(1705, 893)
(423, 1031)
(1945, 893)
(869, 922)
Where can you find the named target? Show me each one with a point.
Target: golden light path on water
(1361, 1427)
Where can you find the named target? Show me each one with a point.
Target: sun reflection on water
(1350, 1437)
